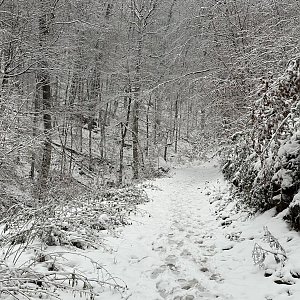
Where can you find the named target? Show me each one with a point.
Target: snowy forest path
(186, 247)
(170, 254)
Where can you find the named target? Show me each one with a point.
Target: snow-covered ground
(189, 243)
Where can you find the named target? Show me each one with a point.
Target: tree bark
(44, 80)
(124, 129)
(135, 140)
(34, 132)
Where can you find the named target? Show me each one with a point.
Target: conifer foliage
(264, 162)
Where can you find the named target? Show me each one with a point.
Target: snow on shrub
(263, 162)
(70, 220)
(259, 253)
(74, 222)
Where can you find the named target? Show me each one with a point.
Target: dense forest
(99, 91)
(96, 95)
(104, 88)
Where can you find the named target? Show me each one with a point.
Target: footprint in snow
(183, 289)
(188, 284)
(186, 253)
(155, 273)
(159, 248)
(179, 291)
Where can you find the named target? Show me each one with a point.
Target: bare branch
(21, 72)
(178, 78)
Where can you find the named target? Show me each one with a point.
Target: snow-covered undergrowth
(263, 160)
(41, 240)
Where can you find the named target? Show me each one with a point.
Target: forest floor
(189, 243)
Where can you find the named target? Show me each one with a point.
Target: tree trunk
(103, 120)
(188, 120)
(135, 140)
(124, 129)
(121, 163)
(135, 108)
(166, 147)
(147, 127)
(46, 158)
(44, 79)
(90, 123)
(176, 124)
(34, 132)
(71, 146)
